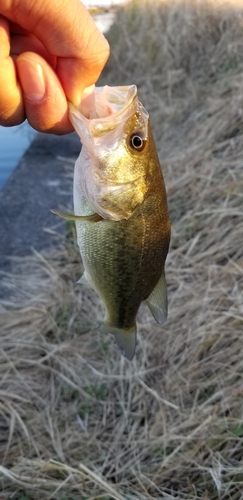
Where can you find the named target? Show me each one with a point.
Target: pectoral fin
(157, 301)
(125, 338)
(91, 218)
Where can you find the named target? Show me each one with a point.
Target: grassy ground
(77, 421)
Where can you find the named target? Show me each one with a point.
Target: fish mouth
(111, 107)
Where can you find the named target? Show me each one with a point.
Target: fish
(121, 212)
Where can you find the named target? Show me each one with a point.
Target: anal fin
(84, 280)
(157, 300)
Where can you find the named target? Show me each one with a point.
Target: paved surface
(41, 181)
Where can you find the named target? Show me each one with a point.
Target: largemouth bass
(121, 213)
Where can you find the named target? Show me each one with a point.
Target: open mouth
(110, 106)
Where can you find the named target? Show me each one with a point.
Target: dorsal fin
(157, 300)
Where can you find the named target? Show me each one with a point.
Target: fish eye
(137, 141)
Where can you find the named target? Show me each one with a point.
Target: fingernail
(32, 80)
(88, 101)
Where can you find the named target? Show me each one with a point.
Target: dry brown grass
(79, 422)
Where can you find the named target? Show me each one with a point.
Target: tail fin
(125, 338)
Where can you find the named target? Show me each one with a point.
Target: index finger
(68, 32)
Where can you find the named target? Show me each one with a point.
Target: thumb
(44, 98)
(11, 103)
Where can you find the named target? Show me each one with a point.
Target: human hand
(49, 53)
